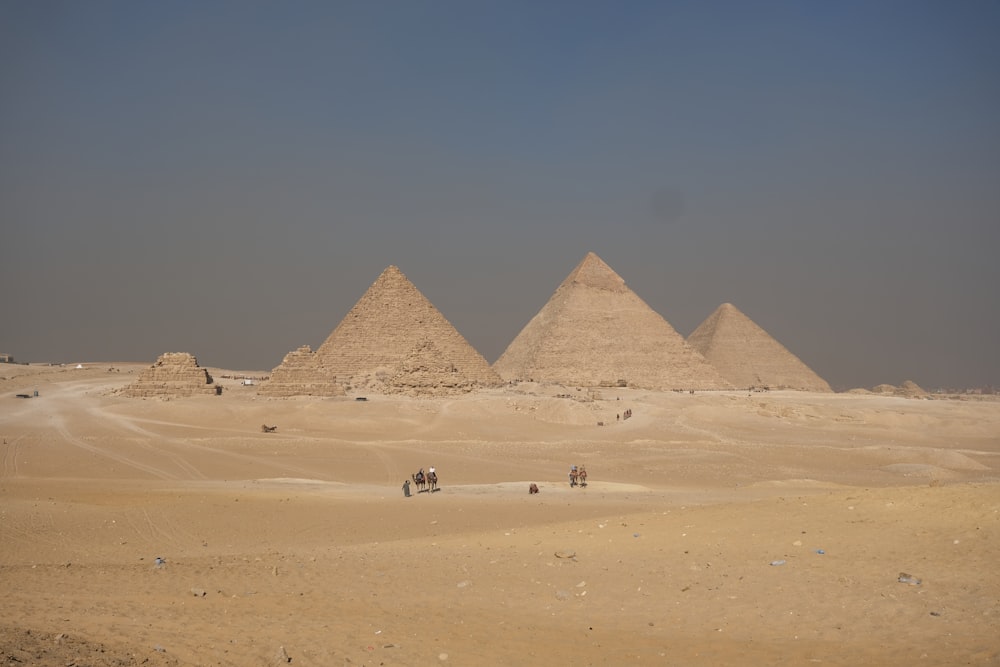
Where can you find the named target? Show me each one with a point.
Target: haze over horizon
(228, 178)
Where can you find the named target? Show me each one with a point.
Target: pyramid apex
(592, 271)
(729, 309)
(392, 278)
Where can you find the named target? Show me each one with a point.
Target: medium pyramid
(748, 356)
(595, 331)
(393, 330)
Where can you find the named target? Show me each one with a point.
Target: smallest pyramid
(748, 356)
(174, 375)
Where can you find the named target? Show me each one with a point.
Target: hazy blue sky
(228, 178)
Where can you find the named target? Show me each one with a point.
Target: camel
(419, 481)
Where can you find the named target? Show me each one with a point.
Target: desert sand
(718, 528)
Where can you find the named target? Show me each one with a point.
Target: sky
(229, 178)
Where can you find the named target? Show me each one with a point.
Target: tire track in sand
(11, 450)
(60, 426)
(152, 438)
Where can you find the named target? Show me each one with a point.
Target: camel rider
(420, 475)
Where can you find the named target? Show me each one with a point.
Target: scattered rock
(281, 656)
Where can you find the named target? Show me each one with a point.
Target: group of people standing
(421, 479)
(577, 477)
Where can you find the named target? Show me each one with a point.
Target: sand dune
(299, 544)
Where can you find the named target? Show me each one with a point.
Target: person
(431, 470)
(406, 488)
(572, 476)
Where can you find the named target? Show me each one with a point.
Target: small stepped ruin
(299, 374)
(174, 375)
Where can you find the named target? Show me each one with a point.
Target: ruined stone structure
(596, 331)
(392, 341)
(174, 375)
(425, 371)
(748, 356)
(299, 374)
(909, 389)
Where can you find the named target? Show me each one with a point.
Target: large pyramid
(395, 341)
(596, 331)
(748, 356)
